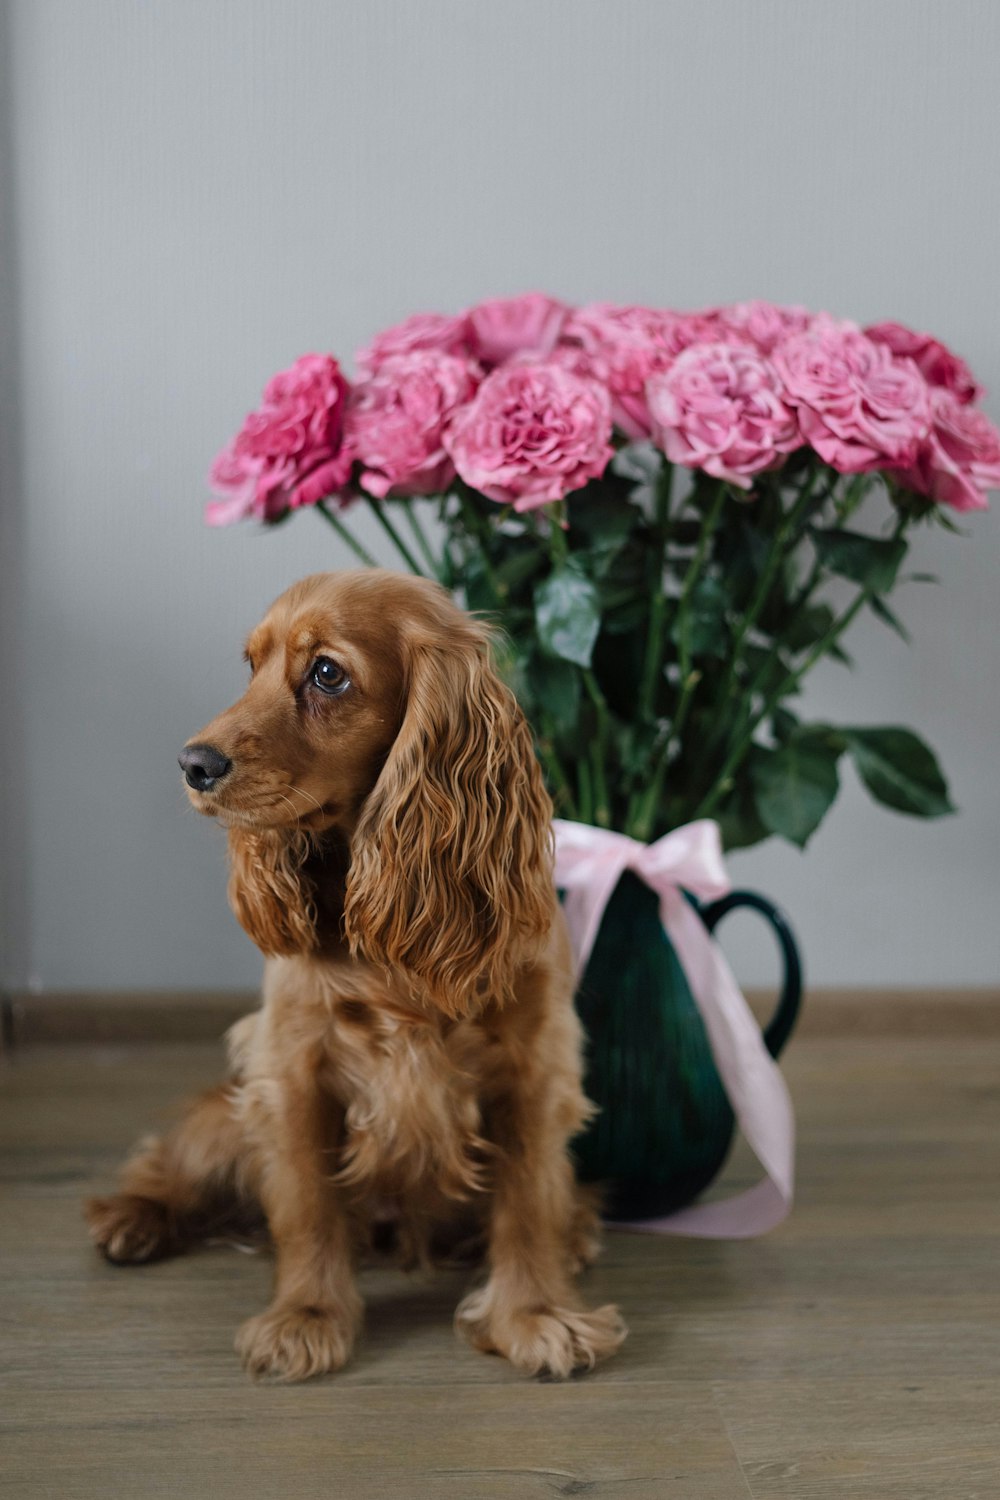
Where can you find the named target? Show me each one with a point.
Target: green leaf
(742, 551)
(634, 747)
(853, 494)
(739, 821)
(567, 613)
(480, 594)
(624, 587)
(871, 561)
(707, 633)
(640, 462)
(601, 517)
(947, 523)
(810, 625)
(899, 770)
(772, 668)
(555, 685)
(600, 524)
(807, 626)
(783, 724)
(881, 610)
(518, 566)
(794, 787)
(823, 737)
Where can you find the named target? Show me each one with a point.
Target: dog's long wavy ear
(269, 891)
(451, 860)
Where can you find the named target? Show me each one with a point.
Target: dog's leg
(179, 1187)
(315, 1314)
(528, 1310)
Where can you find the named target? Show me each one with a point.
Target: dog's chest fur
(412, 1087)
(412, 1093)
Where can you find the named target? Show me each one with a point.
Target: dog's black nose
(203, 766)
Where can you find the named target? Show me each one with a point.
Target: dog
(416, 1064)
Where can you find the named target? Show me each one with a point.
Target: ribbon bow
(589, 864)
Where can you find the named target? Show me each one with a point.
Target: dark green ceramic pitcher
(665, 1124)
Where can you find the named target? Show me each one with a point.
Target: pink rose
(858, 406)
(933, 359)
(533, 433)
(441, 331)
(506, 327)
(623, 346)
(289, 452)
(764, 324)
(719, 408)
(961, 457)
(396, 419)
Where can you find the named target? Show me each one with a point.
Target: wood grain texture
(854, 1351)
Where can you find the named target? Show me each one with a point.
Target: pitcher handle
(779, 1028)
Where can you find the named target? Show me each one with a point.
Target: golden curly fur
(417, 1060)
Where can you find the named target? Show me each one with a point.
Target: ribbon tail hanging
(753, 1081)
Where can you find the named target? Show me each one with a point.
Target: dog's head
(374, 716)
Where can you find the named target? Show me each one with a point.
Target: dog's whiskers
(290, 804)
(301, 792)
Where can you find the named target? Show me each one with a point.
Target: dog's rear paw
(585, 1231)
(129, 1230)
(542, 1340)
(295, 1343)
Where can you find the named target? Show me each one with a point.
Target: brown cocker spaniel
(416, 1065)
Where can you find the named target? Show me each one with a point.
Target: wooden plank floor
(853, 1352)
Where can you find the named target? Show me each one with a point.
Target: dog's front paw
(295, 1343)
(541, 1340)
(128, 1229)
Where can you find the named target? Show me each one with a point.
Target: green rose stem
(652, 664)
(598, 748)
(420, 537)
(345, 536)
(594, 799)
(798, 604)
(755, 684)
(558, 546)
(586, 792)
(377, 508)
(642, 808)
(786, 538)
(723, 782)
(564, 794)
(476, 526)
(804, 593)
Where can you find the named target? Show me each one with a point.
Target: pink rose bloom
(533, 433)
(396, 420)
(289, 452)
(623, 346)
(506, 327)
(933, 359)
(764, 324)
(441, 331)
(961, 457)
(719, 408)
(858, 406)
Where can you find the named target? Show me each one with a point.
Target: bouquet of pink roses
(653, 505)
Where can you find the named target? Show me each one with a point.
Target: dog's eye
(329, 676)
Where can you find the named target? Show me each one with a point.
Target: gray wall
(207, 188)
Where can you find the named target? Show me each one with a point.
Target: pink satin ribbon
(589, 864)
